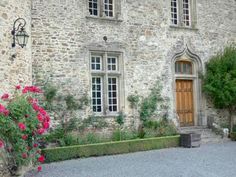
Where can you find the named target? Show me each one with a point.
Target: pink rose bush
(22, 123)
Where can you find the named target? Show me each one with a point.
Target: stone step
(207, 135)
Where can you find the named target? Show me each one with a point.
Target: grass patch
(110, 148)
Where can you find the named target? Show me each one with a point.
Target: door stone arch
(187, 92)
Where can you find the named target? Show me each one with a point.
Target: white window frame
(101, 9)
(173, 13)
(181, 21)
(184, 20)
(96, 98)
(98, 8)
(117, 94)
(105, 74)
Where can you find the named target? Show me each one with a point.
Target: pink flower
(40, 117)
(24, 155)
(47, 119)
(33, 100)
(33, 133)
(42, 111)
(22, 126)
(32, 89)
(36, 107)
(1, 144)
(35, 145)
(17, 87)
(24, 137)
(41, 159)
(3, 110)
(40, 131)
(5, 96)
(6, 112)
(39, 168)
(46, 125)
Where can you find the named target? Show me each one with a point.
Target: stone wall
(13, 70)
(19, 68)
(63, 34)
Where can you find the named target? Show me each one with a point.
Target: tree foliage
(220, 80)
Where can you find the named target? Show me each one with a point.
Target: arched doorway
(184, 92)
(187, 88)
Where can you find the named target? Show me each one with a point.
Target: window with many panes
(183, 67)
(105, 82)
(102, 8)
(183, 13)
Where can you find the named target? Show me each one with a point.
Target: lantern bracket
(18, 26)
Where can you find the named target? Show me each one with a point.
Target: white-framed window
(102, 8)
(106, 72)
(93, 7)
(97, 94)
(183, 13)
(186, 12)
(174, 12)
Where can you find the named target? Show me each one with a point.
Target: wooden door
(184, 102)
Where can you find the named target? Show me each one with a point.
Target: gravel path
(211, 160)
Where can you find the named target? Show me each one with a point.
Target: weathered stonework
(63, 34)
(18, 69)
(13, 70)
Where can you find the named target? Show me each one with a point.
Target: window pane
(97, 94)
(183, 67)
(108, 8)
(96, 63)
(112, 63)
(174, 11)
(93, 7)
(186, 12)
(112, 96)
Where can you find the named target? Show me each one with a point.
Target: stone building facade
(16, 65)
(146, 41)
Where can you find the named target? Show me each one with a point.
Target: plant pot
(190, 140)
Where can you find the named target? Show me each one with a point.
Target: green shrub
(65, 153)
(134, 100)
(234, 128)
(92, 138)
(54, 135)
(162, 127)
(152, 124)
(220, 81)
(119, 135)
(233, 136)
(120, 118)
(141, 132)
(70, 140)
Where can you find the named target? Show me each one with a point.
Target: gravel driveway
(211, 160)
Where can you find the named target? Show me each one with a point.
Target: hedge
(233, 136)
(119, 147)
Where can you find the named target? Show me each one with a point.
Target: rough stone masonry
(64, 36)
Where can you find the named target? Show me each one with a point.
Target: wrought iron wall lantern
(19, 34)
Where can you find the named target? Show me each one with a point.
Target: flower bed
(22, 123)
(110, 148)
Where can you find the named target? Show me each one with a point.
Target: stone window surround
(193, 15)
(102, 16)
(119, 74)
(199, 101)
